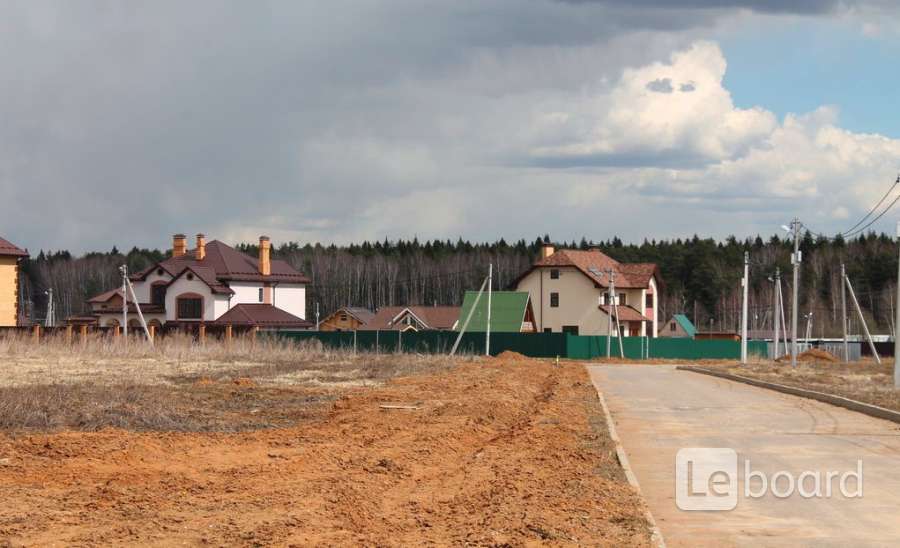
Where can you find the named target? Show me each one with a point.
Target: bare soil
(490, 452)
(864, 381)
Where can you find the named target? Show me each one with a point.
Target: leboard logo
(706, 479)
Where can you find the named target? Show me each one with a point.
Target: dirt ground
(864, 381)
(489, 452)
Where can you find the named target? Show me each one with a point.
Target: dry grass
(181, 385)
(865, 381)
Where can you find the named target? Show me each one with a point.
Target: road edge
(656, 536)
(839, 401)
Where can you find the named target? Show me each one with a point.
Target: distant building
(414, 318)
(511, 312)
(10, 256)
(212, 284)
(347, 318)
(679, 326)
(569, 289)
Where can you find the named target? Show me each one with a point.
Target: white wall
(183, 285)
(579, 301)
(245, 292)
(291, 298)
(142, 289)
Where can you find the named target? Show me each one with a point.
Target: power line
(871, 211)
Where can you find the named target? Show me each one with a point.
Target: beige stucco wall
(579, 301)
(9, 289)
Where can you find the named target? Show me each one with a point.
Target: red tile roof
(9, 249)
(228, 264)
(434, 317)
(261, 315)
(627, 313)
(594, 263)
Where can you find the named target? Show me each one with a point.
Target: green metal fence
(537, 345)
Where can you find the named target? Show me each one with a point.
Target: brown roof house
(347, 318)
(10, 257)
(569, 291)
(214, 284)
(414, 318)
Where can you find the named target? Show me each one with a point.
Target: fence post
(201, 334)
(116, 331)
(152, 328)
(69, 334)
(36, 333)
(83, 330)
(228, 334)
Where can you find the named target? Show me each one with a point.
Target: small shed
(347, 318)
(511, 312)
(679, 326)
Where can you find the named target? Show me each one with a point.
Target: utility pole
(897, 325)
(124, 270)
(487, 333)
(610, 299)
(783, 320)
(862, 320)
(50, 320)
(795, 261)
(775, 310)
(745, 282)
(844, 313)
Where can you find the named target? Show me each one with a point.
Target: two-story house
(10, 256)
(569, 292)
(213, 284)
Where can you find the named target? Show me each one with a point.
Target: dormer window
(261, 296)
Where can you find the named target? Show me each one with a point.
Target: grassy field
(181, 385)
(864, 381)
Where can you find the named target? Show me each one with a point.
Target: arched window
(189, 306)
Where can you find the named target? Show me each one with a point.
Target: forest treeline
(701, 276)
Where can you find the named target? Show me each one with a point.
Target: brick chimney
(179, 245)
(200, 252)
(265, 262)
(547, 249)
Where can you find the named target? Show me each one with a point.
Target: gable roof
(434, 317)
(9, 249)
(508, 310)
(260, 315)
(685, 324)
(593, 263)
(206, 275)
(363, 315)
(224, 263)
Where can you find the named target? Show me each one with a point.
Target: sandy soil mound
(496, 455)
(511, 356)
(812, 355)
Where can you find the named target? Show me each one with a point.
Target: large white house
(212, 284)
(569, 291)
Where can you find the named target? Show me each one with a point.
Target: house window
(554, 274)
(190, 308)
(623, 299)
(554, 300)
(548, 330)
(260, 294)
(672, 327)
(570, 329)
(158, 294)
(649, 300)
(343, 317)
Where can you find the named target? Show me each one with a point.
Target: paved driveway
(659, 410)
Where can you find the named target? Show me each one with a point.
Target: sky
(122, 123)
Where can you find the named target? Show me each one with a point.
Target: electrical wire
(871, 211)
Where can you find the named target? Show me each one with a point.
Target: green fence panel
(536, 345)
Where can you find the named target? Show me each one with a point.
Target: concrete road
(658, 410)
